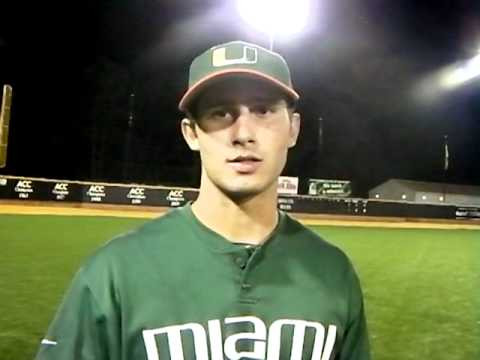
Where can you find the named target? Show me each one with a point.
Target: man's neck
(249, 221)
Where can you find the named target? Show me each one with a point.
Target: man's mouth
(242, 158)
(245, 164)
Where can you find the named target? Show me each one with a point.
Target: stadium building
(426, 192)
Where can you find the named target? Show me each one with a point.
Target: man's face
(243, 129)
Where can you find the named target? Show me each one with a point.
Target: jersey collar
(217, 242)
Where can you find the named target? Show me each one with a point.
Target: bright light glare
(275, 16)
(463, 74)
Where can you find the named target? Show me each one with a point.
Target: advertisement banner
(288, 185)
(467, 212)
(64, 191)
(24, 189)
(19, 188)
(331, 188)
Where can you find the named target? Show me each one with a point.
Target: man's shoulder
(312, 243)
(156, 235)
(160, 227)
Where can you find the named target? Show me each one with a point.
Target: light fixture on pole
(462, 74)
(275, 17)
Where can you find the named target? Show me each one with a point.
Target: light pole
(445, 167)
(127, 168)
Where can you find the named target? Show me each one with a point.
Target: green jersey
(174, 289)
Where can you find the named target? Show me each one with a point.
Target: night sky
(358, 66)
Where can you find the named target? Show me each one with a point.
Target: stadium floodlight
(462, 74)
(275, 17)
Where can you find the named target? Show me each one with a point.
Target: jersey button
(246, 286)
(241, 262)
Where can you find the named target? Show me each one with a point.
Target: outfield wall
(64, 191)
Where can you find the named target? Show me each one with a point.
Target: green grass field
(422, 287)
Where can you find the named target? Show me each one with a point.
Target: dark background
(358, 67)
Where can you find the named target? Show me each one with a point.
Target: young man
(229, 276)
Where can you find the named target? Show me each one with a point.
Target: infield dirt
(149, 212)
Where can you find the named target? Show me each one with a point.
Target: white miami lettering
(175, 341)
(219, 57)
(259, 335)
(322, 347)
(318, 352)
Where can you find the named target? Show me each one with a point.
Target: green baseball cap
(237, 58)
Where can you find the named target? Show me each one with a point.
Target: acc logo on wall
(24, 189)
(175, 197)
(96, 193)
(136, 195)
(60, 190)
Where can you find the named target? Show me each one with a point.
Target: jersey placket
(245, 259)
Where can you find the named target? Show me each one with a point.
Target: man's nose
(243, 127)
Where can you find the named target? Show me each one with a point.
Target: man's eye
(262, 109)
(222, 114)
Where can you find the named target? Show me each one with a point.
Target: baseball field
(421, 285)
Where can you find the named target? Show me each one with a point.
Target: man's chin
(244, 193)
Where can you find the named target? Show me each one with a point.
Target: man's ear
(189, 133)
(294, 129)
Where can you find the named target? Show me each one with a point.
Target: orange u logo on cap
(219, 57)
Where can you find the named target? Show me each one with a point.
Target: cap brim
(200, 85)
